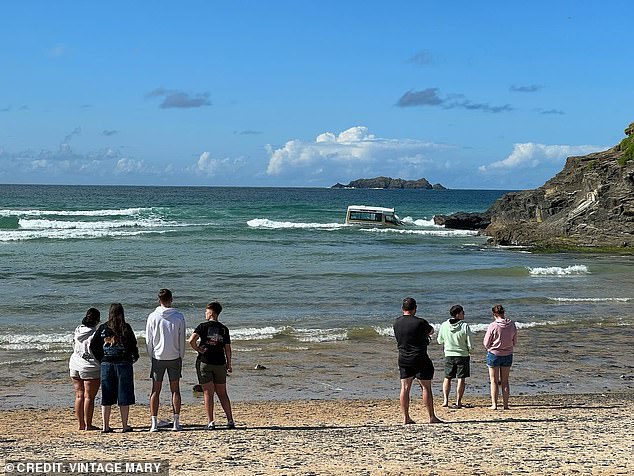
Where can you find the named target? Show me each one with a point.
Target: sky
(472, 95)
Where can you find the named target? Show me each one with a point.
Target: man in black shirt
(212, 341)
(412, 336)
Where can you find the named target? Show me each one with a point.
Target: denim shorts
(499, 360)
(117, 383)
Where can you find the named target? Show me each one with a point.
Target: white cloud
(210, 167)
(532, 155)
(128, 166)
(355, 149)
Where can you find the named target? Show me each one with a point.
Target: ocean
(304, 295)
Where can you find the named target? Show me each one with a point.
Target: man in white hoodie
(165, 344)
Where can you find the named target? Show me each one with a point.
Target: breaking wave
(576, 270)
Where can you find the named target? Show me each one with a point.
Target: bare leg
(125, 411)
(494, 373)
(221, 390)
(446, 390)
(208, 395)
(91, 387)
(79, 402)
(506, 388)
(406, 386)
(105, 416)
(176, 396)
(428, 400)
(460, 391)
(154, 397)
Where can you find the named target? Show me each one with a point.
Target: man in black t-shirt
(412, 336)
(212, 342)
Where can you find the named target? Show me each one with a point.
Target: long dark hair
(92, 317)
(116, 320)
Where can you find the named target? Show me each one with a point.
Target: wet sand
(586, 434)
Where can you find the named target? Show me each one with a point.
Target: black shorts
(422, 369)
(456, 366)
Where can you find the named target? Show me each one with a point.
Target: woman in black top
(115, 346)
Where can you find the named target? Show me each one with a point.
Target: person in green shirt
(457, 338)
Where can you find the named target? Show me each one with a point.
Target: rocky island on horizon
(588, 205)
(390, 183)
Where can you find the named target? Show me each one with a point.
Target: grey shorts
(211, 373)
(174, 369)
(86, 375)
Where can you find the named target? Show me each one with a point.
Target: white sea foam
(421, 222)
(607, 299)
(273, 224)
(475, 327)
(29, 339)
(94, 213)
(384, 331)
(440, 232)
(255, 333)
(73, 233)
(575, 270)
(321, 335)
(28, 224)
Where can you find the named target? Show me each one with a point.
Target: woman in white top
(85, 370)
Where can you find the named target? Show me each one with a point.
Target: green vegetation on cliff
(627, 146)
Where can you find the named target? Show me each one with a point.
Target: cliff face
(391, 183)
(589, 203)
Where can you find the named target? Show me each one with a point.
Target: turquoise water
(287, 270)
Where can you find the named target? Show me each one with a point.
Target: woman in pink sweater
(499, 340)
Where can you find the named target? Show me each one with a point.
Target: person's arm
(228, 355)
(469, 339)
(487, 338)
(134, 347)
(440, 339)
(181, 340)
(193, 341)
(149, 337)
(96, 345)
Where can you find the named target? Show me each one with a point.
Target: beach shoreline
(547, 361)
(540, 434)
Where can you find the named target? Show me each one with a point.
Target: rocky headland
(589, 204)
(390, 183)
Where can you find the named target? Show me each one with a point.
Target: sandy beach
(543, 434)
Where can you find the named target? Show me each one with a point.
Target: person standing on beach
(212, 342)
(499, 340)
(165, 344)
(114, 345)
(85, 370)
(412, 337)
(457, 337)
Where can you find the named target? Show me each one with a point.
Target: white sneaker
(177, 428)
(154, 429)
(211, 425)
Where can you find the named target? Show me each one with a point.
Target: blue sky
(288, 93)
